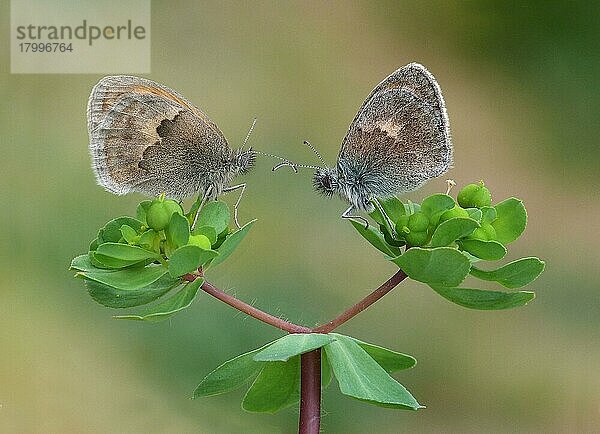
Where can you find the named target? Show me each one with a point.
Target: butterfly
(398, 140)
(147, 138)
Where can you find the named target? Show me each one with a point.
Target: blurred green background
(521, 82)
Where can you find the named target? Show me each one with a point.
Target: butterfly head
(243, 160)
(325, 181)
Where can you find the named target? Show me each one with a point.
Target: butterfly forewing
(146, 137)
(400, 137)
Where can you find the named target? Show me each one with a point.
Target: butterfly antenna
(294, 166)
(307, 143)
(284, 161)
(249, 132)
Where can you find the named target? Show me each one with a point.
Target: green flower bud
(474, 196)
(173, 207)
(201, 241)
(158, 215)
(457, 211)
(418, 222)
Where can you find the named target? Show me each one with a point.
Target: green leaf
(82, 263)
(194, 209)
(451, 230)
(178, 231)
(487, 250)
(389, 360)
(97, 264)
(129, 234)
(435, 205)
(375, 238)
(230, 375)
(439, 266)
(111, 232)
(188, 258)
(360, 377)
(231, 243)
(208, 231)
(411, 208)
(118, 298)
(141, 210)
(127, 279)
(326, 374)
(515, 274)
(125, 252)
(103, 261)
(392, 206)
(292, 345)
(510, 221)
(475, 214)
(220, 239)
(149, 240)
(166, 309)
(94, 244)
(276, 387)
(216, 215)
(485, 300)
(488, 214)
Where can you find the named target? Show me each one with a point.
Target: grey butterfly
(147, 138)
(399, 139)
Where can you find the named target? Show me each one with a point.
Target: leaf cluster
(362, 371)
(135, 261)
(451, 242)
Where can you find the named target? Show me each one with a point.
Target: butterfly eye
(325, 182)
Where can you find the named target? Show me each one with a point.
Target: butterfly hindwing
(400, 137)
(143, 133)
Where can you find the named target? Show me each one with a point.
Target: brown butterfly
(398, 140)
(147, 138)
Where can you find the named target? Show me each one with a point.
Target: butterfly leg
(387, 219)
(237, 203)
(204, 199)
(348, 215)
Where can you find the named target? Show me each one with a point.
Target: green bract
(201, 241)
(361, 369)
(135, 261)
(444, 239)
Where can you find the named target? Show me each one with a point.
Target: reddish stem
(253, 311)
(390, 284)
(310, 363)
(310, 390)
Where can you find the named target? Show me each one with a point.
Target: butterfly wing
(148, 138)
(400, 137)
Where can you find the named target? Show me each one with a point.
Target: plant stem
(363, 304)
(310, 363)
(253, 311)
(310, 395)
